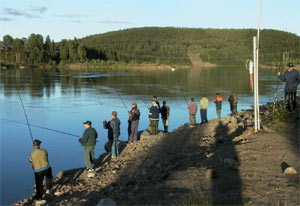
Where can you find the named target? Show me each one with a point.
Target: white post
(254, 85)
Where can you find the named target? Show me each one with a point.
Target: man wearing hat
(292, 79)
(40, 163)
(88, 140)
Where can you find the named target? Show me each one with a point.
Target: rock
(267, 129)
(144, 172)
(231, 163)
(209, 174)
(40, 202)
(91, 174)
(58, 193)
(290, 171)
(158, 165)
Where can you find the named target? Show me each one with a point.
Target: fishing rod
(147, 106)
(98, 92)
(25, 115)
(53, 130)
(125, 106)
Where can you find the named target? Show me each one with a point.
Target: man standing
(233, 101)
(40, 163)
(292, 79)
(218, 103)
(165, 112)
(192, 107)
(115, 126)
(107, 146)
(203, 109)
(154, 117)
(134, 116)
(88, 140)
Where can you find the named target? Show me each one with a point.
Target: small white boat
(173, 69)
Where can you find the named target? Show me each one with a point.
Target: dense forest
(153, 45)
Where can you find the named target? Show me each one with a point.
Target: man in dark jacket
(134, 116)
(154, 117)
(218, 103)
(88, 140)
(165, 112)
(107, 146)
(40, 164)
(115, 126)
(233, 101)
(292, 79)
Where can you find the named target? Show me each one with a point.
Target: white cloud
(15, 12)
(113, 22)
(4, 19)
(40, 9)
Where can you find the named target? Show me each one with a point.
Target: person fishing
(88, 140)
(115, 126)
(39, 160)
(134, 116)
(233, 101)
(203, 109)
(292, 80)
(192, 107)
(154, 117)
(218, 103)
(110, 138)
(165, 113)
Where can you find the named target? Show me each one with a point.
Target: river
(63, 99)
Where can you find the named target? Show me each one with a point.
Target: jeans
(114, 147)
(233, 109)
(89, 156)
(165, 123)
(290, 98)
(192, 118)
(134, 130)
(154, 126)
(219, 113)
(39, 177)
(203, 114)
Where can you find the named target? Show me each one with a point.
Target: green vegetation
(278, 112)
(153, 45)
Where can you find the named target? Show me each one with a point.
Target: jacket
(154, 112)
(204, 103)
(218, 103)
(106, 125)
(233, 99)
(134, 114)
(115, 126)
(165, 112)
(89, 137)
(39, 160)
(193, 108)
(292, 80)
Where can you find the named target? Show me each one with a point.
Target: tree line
(154, 45)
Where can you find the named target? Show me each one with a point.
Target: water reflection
(63, 99)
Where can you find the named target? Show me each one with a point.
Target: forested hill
(154, 45)
(176, 45)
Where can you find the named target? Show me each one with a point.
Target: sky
(67, 19)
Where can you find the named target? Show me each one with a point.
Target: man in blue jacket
(115, 126)
(154, 117)
(88, 140)
(292, 79)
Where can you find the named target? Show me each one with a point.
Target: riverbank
(221, 162)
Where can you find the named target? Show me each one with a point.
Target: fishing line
(98, 92)
(25, 116)
(53, 130)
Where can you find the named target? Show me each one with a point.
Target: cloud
(40, 9)
(4, 19)
(15, 12)
(113, 22)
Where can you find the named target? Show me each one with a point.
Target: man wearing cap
(134, 116)
(40, 163)
(88, 140)
(292, 79)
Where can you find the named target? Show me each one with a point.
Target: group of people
(204, 102)
(39, 157)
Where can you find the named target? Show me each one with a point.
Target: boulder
(106, 202)
(290, 171)
(91, 174)
(40, 202)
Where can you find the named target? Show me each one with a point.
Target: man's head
(87, 124)
(192, 99)
(218, 94)
(114, 114)
(290, 66)
(133, 104)
(36, 143)
(164, 102)
(232, 92)
(153, 101)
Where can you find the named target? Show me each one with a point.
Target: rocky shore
(222, 162)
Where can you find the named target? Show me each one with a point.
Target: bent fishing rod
(25, 115)
(40, 127)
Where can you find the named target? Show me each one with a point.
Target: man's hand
(278, 74)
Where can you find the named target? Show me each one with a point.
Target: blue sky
(66, 19)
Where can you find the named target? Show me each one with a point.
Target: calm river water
(64, 99)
